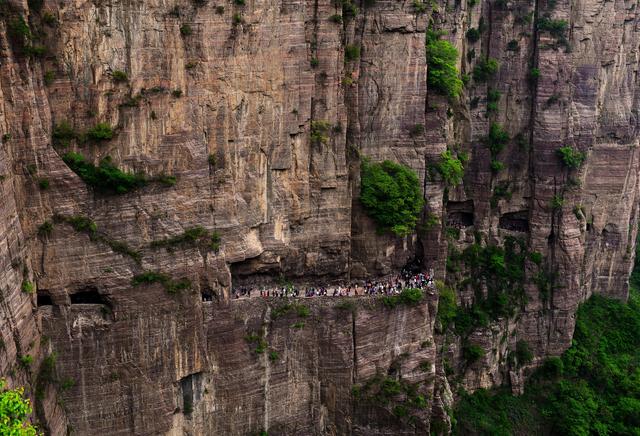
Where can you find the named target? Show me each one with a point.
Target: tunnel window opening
(207, 295)
(190, 386)
(88, 295)
(515, 221)
(460, 214)
(44, 299)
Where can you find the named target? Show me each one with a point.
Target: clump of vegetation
(404, 400)
(408, 296)
(43, 183)
(320, 132)
(14, 412)
(169, 285)
(28, 287)
(485, 69)
(349, 10)
(473, 35)
(299, 309)
(592, 389)
(523, 352)
(513, 45)
(497, 139)
(570, 157)
(442, 75)
(186, 30)
(447, 307)
(499, 270)
(391, 195)
(419, 7)
(493, 97)
(177, 93)
(49, 77)
(100, 132)
(351, 53)
(63, 134)
(336, 18)
(45, 229)
(472, 353)
(105, 178)
(417, 130)
(119, 76)
(556, 28)
(450, 168)
(257, 340)
(193, 236)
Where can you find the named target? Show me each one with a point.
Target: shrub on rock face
(442, 75)
(391, 195)
(485, 69)
(100, 132)
(14, 412)
(450, 168)
(106, 177)
(571, 158)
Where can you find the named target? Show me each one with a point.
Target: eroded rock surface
(261, 120)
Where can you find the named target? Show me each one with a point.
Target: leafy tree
(442, 75)
(106, 177)
(571, 158)
(496, 140)
(450, 168)
(391, 195)
(485, 69)
(14, 412)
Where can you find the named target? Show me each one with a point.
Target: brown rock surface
(238, 139)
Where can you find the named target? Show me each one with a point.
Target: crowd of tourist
(391, 285)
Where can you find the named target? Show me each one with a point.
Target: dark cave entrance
(460, 214)
(515, 221)
(44, 298)
(88, 295)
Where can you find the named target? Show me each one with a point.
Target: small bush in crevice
(186, 30)
(570, 157)
(473, 35)
(193, 236)
(408, 296)
(485, 69)
(100, 132)
(169, 285)
(119, 76)
(106, 177)
(28, 287)
(450, 168)
(351, 53)
(45, 229)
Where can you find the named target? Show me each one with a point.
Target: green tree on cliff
(391, 195)
(442, 75)
(14, 412)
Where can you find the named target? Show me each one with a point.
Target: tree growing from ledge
(391, 195)
(442, 75)
(14, 412)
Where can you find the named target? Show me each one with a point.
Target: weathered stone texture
(254, 80)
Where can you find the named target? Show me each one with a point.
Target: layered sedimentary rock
(257, 113)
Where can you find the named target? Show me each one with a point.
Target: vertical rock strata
(262, 119)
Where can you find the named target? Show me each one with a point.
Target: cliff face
(255, 111)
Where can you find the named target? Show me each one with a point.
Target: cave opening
(515, 221)
(460, 214)
(88, 295)
(43, 298)
(191, 387)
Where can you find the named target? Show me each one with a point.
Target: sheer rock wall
(255, 111)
